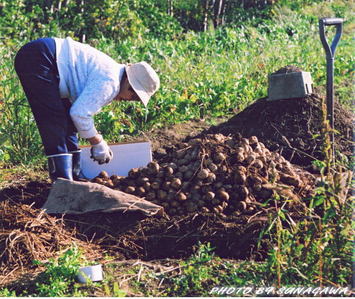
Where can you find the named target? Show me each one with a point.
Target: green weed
(58, 279)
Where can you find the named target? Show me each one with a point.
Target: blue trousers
(36, 66)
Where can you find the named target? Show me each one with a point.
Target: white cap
(143, 79)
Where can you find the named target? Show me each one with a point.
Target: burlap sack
(72, 197)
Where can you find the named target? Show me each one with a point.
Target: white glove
(101, 152)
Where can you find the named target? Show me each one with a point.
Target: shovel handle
(332, 21)
(338, 22)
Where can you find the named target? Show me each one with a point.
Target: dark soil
(30, 192)
(133, 237)
(290, 127)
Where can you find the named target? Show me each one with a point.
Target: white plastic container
(90, 273)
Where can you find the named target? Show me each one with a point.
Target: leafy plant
(58, 279)
(196, 273)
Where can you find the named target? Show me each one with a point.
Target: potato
(244, 141)
(161, 174)
(224, 205)
(176, 183)
(153, 167)
(230, 142)
(240, 178)
(206, 188)
(253, 140)
(213, 167)
(181, 196)
(98, 180)
(242, 205)
(258, 164)
(141, 180)
(203, 174)
(146, 186)
(209, 196)
(109, 183)
(219, 157)
(241, 169)
(211, 177)
(133, 173)
(104, 175)
(223, 195)
(115, 180)
(130, 189)
(240, 157)
(169, 171)
(172, 165)
(155, 185)
(242, 192)
(250, 159)
(140, 191)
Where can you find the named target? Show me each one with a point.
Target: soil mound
(290, 127)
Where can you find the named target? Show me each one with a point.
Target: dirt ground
(287, 127)
(291, 127)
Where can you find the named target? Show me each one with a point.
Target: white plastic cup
(90, 273)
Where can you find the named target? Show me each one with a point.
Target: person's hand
(101, 152)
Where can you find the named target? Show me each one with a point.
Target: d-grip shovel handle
(330, 51)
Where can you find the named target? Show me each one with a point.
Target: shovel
(330, 53)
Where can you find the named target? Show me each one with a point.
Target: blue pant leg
(36, 67)
(71, 138)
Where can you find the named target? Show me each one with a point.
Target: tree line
(86, 19)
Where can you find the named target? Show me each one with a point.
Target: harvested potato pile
(217, 174)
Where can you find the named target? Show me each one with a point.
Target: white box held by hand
(125, 157)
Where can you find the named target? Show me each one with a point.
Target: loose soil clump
(290, 127)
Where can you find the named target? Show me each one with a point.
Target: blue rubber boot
(77, 173)
(60, 166)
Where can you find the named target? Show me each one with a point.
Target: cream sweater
(89, 78)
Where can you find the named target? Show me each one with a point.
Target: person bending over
(66, 84)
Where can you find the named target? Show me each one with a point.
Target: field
(254, 199)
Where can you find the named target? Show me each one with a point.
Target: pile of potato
(215, 174)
